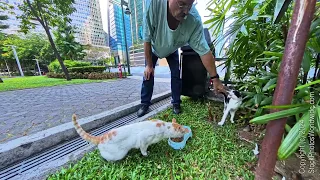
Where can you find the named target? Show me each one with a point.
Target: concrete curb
(43, 171)
(21, 148)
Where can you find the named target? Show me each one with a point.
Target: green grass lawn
(212, 153)
(38, 81)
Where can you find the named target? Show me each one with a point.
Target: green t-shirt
(164, 40)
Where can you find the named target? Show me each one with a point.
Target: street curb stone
(21, 148)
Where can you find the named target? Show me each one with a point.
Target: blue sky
(201, 7)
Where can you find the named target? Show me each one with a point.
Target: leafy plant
(66, 43)
(302, 126)
(86, 75)
(28, 47)
(56, 68)
(98, 69)
(256, 35)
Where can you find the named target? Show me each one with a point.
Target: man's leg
(176, 82)
(147, 90)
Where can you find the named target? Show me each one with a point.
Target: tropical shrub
(98, 69)
(56, 68)
(255, 50)
(85, 75)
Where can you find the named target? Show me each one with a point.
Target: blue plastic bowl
(182, 144)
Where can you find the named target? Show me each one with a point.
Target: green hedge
(56, 68)
(85, 75)
(89, 69)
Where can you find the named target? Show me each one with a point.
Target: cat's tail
(86, 136)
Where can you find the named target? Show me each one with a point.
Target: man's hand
(149, 68)
(209, 63)
(218, 86)
(148, 72)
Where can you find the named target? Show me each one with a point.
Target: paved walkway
(25, 112)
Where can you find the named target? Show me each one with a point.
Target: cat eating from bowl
(116, 143)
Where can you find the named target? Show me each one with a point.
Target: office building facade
(138, 10)
(116, 30)
(87, 19)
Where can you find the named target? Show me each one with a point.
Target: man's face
(180, 8)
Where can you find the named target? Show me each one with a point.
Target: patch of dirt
(251, 136)
(247, 136)
(296, 167)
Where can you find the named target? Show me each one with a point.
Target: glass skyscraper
(87, 18)
(138, 10)
(116, 30)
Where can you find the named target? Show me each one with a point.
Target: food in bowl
(177, 139)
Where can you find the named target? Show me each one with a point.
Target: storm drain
(70, 146)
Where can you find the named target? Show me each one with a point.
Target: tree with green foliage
(49, 13)
(68, 47)
(3, 7)
(29, 47)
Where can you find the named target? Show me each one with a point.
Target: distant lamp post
(7, 68)
(38, 66)
(123, 3)
(17, 59)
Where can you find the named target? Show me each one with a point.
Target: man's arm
(199, 44)
(147, 52)
(148, 29)
(209, 63)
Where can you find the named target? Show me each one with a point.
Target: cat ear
(174, 120)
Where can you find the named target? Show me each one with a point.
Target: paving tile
(51, 106)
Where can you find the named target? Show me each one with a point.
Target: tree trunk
(56, 53)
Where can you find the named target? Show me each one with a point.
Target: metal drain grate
(70, 146)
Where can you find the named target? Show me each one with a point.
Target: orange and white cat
(115, 144)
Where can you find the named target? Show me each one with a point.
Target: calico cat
(115, 144)
(232, 102)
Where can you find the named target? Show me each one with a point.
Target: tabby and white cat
(232, 101)
(115, 144)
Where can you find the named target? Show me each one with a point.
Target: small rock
(256, 150)
(247, 129)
